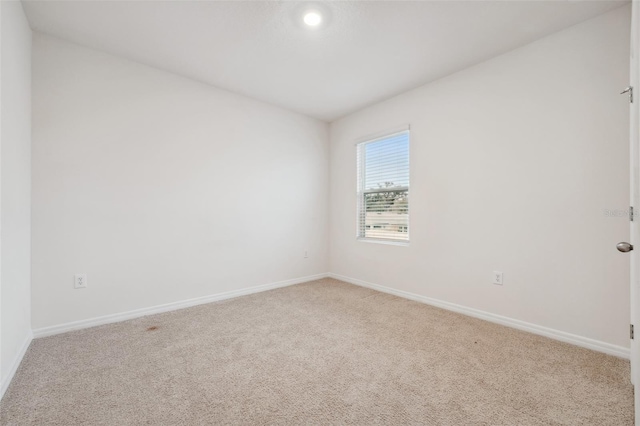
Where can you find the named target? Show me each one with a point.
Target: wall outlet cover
(80, 281)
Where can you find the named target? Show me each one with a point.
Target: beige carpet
(323, 352)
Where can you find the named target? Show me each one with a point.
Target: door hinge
(628, 90)
(631, 331)
(631, 213)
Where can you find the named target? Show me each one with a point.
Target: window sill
(385, 242)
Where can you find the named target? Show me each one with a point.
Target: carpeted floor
(323, 352)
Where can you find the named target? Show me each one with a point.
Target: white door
(635, 199)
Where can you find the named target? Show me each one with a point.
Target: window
(383, 188)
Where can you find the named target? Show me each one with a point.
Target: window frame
(361, 192)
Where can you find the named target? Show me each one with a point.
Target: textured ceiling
(365, 52)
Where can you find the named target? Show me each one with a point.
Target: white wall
(162, 189)
(513, 163)
(15, 168)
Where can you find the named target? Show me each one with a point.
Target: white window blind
(383, 188)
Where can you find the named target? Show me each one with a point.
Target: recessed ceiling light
(312, 19)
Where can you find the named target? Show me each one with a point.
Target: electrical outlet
(306, 254)
(498, 278)
(80, 281)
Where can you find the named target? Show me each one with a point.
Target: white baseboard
(562, 336)
(123, 316)
(4, 384)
